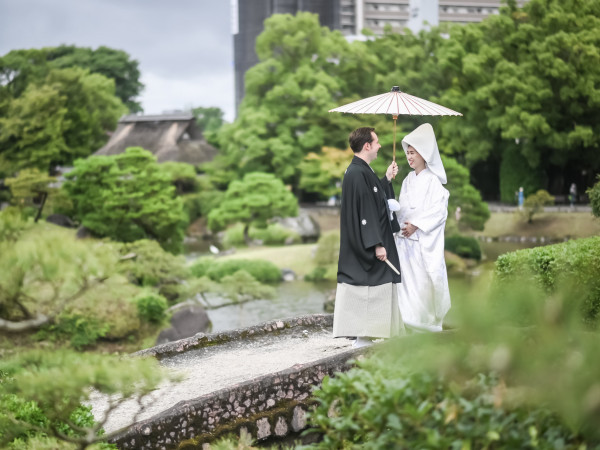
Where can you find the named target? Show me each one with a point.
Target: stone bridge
(259, 379)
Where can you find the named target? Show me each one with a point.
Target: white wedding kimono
(423, 295)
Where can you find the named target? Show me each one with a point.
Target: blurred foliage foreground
(520, 370)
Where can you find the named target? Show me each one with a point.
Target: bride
(423, 295)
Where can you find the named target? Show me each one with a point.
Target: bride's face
(415, 161)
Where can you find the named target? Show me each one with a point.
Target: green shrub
(81, 331)
(192, 206)
(200, 266)
(145, 263)
(13, 223)
(234, 236)
(574, 264)
(208, 200)
(378, 406)
(151, 307)
(273, 234)
(328, 249)
(317, 274)
(261, 270)
(474, 211)
(594, 195)
(535, 203)
(464, 246)
(42, 391)
(241, 286)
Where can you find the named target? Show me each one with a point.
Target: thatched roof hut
(170, 137)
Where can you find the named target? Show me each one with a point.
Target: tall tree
(57, 120)
(19, 68)
(528, 82)
(288, 93)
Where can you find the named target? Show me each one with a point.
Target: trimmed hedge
(261, 270)
(464, 246)
(574, 264)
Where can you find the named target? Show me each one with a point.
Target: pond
(295, 298)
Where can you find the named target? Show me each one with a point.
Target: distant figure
(521, 198)
(457, 214)
(572, 194)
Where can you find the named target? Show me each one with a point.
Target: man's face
(373, 146)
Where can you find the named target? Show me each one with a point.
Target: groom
(366, 296)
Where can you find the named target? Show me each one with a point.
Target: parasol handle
(394, 156)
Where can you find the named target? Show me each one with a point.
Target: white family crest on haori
(423, 295)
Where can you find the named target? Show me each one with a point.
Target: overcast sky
(184, 47)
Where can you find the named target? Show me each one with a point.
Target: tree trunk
(247, 235)
(24, 325)
(42, 203)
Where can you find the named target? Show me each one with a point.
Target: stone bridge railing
(270, 406)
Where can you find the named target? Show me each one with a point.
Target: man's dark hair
(359, 137)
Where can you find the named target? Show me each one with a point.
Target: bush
(273, 234)
(13, 223)
(328, 249)
(209, 200)
(377, 406)
(594, 195)
(41, 392)
(317, 274)
(127, 197)
(82, 331)
(575, 264)
(464, 246)
(192, 206)
(261, 270)
(535, 203)
(151, 307)
(474, 211)
(146, 264)
(200, 266)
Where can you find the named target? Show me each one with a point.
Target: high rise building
(350, 17)
(355, 15)
(248, 17)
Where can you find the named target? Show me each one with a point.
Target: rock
(306, 227)
(329, 303)
(83, 232)
(61, 220)
(288, 275)
(186, 322)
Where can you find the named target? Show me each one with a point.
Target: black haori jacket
(366, 221)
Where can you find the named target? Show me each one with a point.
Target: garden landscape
(109, 261)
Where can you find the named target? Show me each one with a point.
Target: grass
(298, 258)
(551, 225)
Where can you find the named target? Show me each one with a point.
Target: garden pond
(298, 297)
